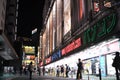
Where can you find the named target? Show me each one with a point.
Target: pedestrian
(25, 70)
(80, 69)
(30, 69)
(43, 70)
(116, 64)
(21, 69)
(39, 71)
(58, 71)
(14, 70)
(62, 70)
(67, 70)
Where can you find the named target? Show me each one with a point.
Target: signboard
(100, 29)
(48, 60)
(56, 56)
(75, 44)
(30, 57)
(29, 50)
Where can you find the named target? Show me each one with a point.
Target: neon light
(48, 60)
(100, 29)
(75, 44)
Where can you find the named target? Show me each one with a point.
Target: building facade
(86, 29)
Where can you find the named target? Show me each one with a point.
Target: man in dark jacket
(116, 64)
(80, 68)
(30, 68)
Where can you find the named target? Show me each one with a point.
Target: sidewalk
(46, 77)
(36, 77)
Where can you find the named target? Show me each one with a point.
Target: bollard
(100, 78)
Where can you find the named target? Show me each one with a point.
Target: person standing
(67, 70)
(62, 70)
(80, 68)
(58, 71)
(30, 69)
(116, 64)
(39, 71)
(21, 69)
(43, 70)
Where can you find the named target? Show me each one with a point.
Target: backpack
(68, 68)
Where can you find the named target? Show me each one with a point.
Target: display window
(110, 69)
(29, 49)
(67, 16)
(59, 22)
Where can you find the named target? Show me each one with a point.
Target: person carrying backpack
(67, 70)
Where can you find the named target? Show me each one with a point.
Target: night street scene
(59, 39)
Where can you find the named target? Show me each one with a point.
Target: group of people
(67, 69)
(62, 70)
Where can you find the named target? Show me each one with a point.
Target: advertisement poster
(102, 66)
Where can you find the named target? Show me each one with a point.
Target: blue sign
(56, 56)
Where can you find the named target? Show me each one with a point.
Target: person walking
(30, 69)
(116, 64)
(79, 70)
(67, 70)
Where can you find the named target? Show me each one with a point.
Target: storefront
(95, 46)
(99, 56)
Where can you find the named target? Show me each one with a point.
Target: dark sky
(30, 17)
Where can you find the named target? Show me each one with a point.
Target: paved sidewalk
(46, 77)
(41, 78)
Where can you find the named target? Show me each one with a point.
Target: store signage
(100, 29)
(56, 56)
(75, 44)
(41, 64)
(48, 60)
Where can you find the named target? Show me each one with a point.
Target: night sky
(30, 17)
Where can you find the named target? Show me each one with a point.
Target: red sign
(75, 44)
(41, 64)
(48, 60)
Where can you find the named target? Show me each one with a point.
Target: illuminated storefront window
(79, 13)
(51, 32)
(67, 16)
(29, 50)
(59, 22)
(54, 25)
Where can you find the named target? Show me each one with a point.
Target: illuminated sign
(41, 64)
(100, 29)
(48, 60)
(30, 57)
(34, 31)
(29, 50)
(56, 56)
(75, 44)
